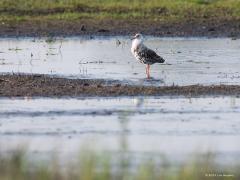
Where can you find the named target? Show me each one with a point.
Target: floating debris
(14, 49)
(118, 42)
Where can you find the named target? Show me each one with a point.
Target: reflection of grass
(102, 167)
(76, 9)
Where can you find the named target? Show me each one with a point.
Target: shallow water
(188, 60)
(175, 127)
(141, 125)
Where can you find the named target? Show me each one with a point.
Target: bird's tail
(161, 60)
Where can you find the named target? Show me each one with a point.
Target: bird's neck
(136, 43)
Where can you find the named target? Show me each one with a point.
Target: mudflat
(110, 27)
(43, 85)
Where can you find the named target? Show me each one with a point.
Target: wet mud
(108, 27)
(16, 85)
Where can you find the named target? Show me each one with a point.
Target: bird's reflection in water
(124, 119)
(138, 102)
(233, 102)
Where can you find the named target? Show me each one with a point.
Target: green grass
(123, 9)
(102, 166)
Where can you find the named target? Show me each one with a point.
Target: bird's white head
(137, 39)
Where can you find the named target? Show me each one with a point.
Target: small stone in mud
(37, 76)
(117, 85)
(83, 28)
(103, 30)
(211, 29)
(86, 84)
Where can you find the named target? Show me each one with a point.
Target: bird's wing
(150, 55)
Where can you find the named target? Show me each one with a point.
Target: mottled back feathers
(146, 55)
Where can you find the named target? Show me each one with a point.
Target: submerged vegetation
(93, 166)
(100, 9)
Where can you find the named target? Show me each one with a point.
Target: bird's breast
(134, 52)
(133, 49)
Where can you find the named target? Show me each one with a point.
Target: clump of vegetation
(94, 166)
(50, 40)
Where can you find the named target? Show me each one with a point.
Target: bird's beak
(133, 37)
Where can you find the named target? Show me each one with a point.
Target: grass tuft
(76, 9)
(102, 166)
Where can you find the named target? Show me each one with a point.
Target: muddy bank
(42, 85)
(210, 27)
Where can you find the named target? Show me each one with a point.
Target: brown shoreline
(48, 86)
(212, 27)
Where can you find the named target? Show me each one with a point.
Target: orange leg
(148, 71)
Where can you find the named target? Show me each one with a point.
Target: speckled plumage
(147, 56)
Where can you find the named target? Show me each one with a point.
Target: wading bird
(144, 54)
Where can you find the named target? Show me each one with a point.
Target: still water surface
(188, 60)
(148, 125)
